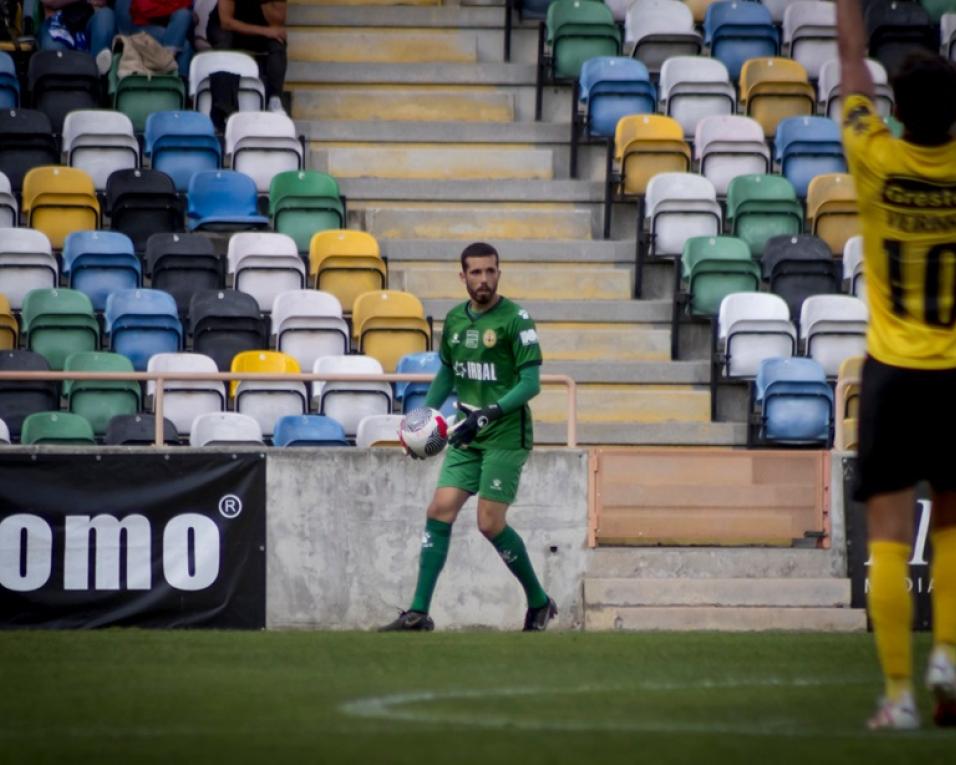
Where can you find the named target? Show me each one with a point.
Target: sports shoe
(410, 621)
(104, 60)
(895, 715)
(941, 681)
(536, 619)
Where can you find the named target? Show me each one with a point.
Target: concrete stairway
(432, 138)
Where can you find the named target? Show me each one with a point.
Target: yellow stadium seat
(388, 324)
(346, 264)
(847, 403)
(58, 201)
(832, 212)
(262, 362)
(774, 88)
(9, 330)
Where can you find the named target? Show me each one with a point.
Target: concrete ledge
(716, 562)
(653, 434)
(810, 593)
(382, 45)
(411, 74)
(435, 16)
(395, 223)
(542, 250)
(432, 132)
(417, 172)
(648, 372)
(353, 104)
(726, 619)
(504, 189)
(605, 311)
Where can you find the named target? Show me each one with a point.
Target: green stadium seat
(98, 401)
(302, 202)
(578, 30)
(58, 322)
(56, 428)
(760, 207)
(138, 95)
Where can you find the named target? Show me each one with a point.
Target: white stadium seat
(262, 144)
(26, 263)
(265, 264)
(833, 328)
(728, 146)
(853, 265)
(694, 87)
(252, 93)
(185, 400)
(655, 30)
(349, 402)
(751, 327)
(828, 89)
(809, 34)
(222, 428)
(9, 210)
(99, 141)
(308, 324)
(378, 430)
(677, 207)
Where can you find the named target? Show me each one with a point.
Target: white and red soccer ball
(424, 432)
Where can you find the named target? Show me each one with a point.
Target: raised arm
(851, 40)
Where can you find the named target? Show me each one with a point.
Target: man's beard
(482, 297)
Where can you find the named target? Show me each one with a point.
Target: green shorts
(492, 474)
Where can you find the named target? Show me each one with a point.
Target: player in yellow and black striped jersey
(907, 199)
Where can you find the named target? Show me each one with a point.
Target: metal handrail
(161, 378)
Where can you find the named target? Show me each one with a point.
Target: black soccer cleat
(410, 621)
(536, 619)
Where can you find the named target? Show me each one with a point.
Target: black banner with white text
(148, 540)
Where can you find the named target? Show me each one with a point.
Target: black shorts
(907, 425)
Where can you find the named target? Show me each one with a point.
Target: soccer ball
(424, 432)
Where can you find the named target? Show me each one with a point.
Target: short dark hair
(477, 250)
(925, 92)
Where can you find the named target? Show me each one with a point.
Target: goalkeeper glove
(465, 433)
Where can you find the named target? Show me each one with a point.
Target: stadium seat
(794, 402)
(252, 94)
(308, 324)
(308, 430)
(185, 400)
(947, 28)
(807, 147)
(225, 322)
(100, 262)
(99, 141)
(388, 324)
(139, 95)
(56, 428)
(224, 428)
(576, 31)
(264, 265)
(138, 430)
(695, 87)
(656, 30)
(644, 145)
(828, 89)
(304, 202)
(833, 328)
(698, 9)
(62, 81)
(262, 145)
(58, 201)
(141, 323)
(809, 34)
(20, 398)
(26, 141)
(9, 329)
(760, 207)
(349, 402)
(265, 400)
(100, 400)
(9, 84)
(832, 212)
(141, 203)
(26, 263)
(610, 87)
(738, 31)
(58, 322)
(751, 327)
(796, 267)
(181, 144)
(847, 404)
(9, 209)
(223, 201)
(730, 145)
(378, 430)
(4, 433)
(182, 265)
(346, 264)
(896, 29)
(772, 89)
(412, 395)
(853, 266)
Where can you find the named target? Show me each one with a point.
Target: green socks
(512, 551)
(434, 552)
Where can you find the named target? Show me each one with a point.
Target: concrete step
(716, 562)
(625, 404)
(432, 73)
(471, 222)
(579, 311)
(811, 593)
(470, 131)
(428, 164)
(606, 343)
(409, 104)
(396, 14)
(520, 281)
(645, 434)
(539, 251)
(693, 618)
(644, 372)
(351, 3)
(380, 45)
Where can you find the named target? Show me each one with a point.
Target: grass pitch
(131, 696)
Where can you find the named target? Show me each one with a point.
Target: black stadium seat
(141, 203)
(61, 81)
(799, 266)
(137, 430)
(896, 29)
(183, 264)
(26, 141)
(19, 398)
(224, 323)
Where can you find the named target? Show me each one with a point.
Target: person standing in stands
(907, 198)
(257, 26)
(84, 25)
(169, 22)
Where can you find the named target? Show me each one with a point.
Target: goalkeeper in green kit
(491, 358)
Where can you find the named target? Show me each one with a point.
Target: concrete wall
(344, 528)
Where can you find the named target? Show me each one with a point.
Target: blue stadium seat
(794, 401)
(100, 262)
(806, 147)
(9, 85)
(612, 87)
(737, 31)
(223, 200)
(180, 144)
(308, 430)
(141, 323)
(412, 394)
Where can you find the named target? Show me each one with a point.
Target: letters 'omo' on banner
(152, 540)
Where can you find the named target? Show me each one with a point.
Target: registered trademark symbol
(230, 506)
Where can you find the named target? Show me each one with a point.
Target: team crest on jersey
(471, 338)
(454, 339)
(490, 338)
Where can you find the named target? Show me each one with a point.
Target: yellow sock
(943, 573)
(891, 612)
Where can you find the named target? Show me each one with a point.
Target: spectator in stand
(257, 26)
(169, 22)
(85, 25)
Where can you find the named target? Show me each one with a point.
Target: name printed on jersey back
(916, 206)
